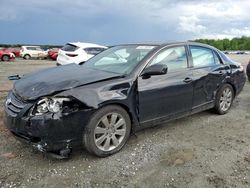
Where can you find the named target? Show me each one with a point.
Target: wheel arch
(26, 54)
(4, 56)
(132, 116)
(233, 86)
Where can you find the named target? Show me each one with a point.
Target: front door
(162, 96)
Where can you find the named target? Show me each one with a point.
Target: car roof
(86, 45)
(188, 43)
(160, 45)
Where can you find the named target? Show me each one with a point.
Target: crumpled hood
(49, 81)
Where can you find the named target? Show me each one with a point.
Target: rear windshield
(94, 51)
(69, 48)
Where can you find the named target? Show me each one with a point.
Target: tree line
(242, 43)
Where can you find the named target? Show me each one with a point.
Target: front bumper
(49, 132)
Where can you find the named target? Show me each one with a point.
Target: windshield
(119, 59)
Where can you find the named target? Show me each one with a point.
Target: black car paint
(248, 71)
(185, 92)
(57, 79)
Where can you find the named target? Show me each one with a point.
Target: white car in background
(78, 52)
(28, 52)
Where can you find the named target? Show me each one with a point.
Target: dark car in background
(248, 71)
(121, 90)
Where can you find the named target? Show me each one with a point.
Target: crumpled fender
(103, 93)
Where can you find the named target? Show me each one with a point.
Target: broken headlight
(52, 104)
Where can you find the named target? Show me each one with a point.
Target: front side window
(39, 49)
(120, 59)
(175, 58)
(202, 57)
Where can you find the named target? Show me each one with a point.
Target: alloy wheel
(6, 58)
(110, 131)
(226, 99)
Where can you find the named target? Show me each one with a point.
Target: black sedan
(123, 89)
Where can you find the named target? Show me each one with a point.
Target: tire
(101, 137)
(26, 56)
(249, 78)
(5, 58)
(224, 99)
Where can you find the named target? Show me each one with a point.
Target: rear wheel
(107, 131)
(26, 56)
(224, 99)
(6, 58)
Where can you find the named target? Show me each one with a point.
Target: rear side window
(202, 57)
(93, 51)
(175, 58)
(39, 49)
(69, 48)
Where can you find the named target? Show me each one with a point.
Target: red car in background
(6, 55)
(53, 53)
(15, 51)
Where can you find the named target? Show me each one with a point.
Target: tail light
(249, 62)
(72, 55)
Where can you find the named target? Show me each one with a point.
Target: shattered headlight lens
(52, 104)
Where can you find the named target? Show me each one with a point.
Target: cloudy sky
(121, 21)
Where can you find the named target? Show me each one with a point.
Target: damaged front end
(52, 124)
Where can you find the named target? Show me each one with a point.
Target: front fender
(100, 94)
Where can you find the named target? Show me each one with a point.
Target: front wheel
(224, 99)
(5, 58)
(107, 131)
(26, 56)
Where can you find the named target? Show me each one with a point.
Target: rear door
(161, 96)
(208, 74)
(31, 51)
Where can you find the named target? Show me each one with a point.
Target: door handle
(188, 80)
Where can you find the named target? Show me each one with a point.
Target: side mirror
(157, 69)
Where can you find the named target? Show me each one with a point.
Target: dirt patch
(247, 158)
(177, 157)
(9, 155)
(216, 181)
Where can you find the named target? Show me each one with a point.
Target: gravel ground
(202, 150)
